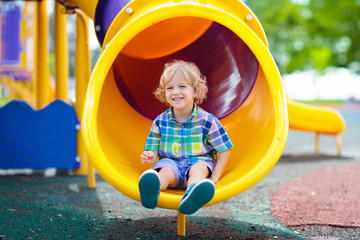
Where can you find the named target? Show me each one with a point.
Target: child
(186, 138)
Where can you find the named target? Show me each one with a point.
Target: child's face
(179, 94)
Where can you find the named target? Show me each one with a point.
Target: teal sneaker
(196, 196)
(149, 187)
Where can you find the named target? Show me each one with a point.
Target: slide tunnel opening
(120, 109)
(226, 61)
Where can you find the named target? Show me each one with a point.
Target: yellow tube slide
(315, 119)
(228, 44)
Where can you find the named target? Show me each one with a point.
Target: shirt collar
(193, 114)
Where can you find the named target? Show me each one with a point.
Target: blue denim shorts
(181, 168)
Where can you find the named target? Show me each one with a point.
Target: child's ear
(195, 92)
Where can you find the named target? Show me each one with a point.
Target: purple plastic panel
(106, 11)
(10, 31)
(228, 64)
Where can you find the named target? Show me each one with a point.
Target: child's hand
(148, 157)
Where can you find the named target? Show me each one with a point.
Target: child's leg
(152, 181)
(200, 190)
(198, 172)
(167, 177)
(169, 171)
(149, 188)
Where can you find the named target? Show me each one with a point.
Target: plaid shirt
(198, 138)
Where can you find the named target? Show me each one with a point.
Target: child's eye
(169, 88)
(183, 86)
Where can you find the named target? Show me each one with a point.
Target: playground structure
(24, 75)
(223, 38)
(321, 120)
(13, 54)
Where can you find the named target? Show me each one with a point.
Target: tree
(311, 34)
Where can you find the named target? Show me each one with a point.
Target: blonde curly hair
(192, 76)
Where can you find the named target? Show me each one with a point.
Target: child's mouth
(177, 99)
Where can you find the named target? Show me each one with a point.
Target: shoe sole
(200, 195)
(149, 187)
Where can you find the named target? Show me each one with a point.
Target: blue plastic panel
(39, 139)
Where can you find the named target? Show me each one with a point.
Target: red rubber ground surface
(328, 197)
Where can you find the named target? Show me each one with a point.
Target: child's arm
(149, 157)
(220, 165)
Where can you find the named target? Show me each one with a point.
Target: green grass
(323, 102)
